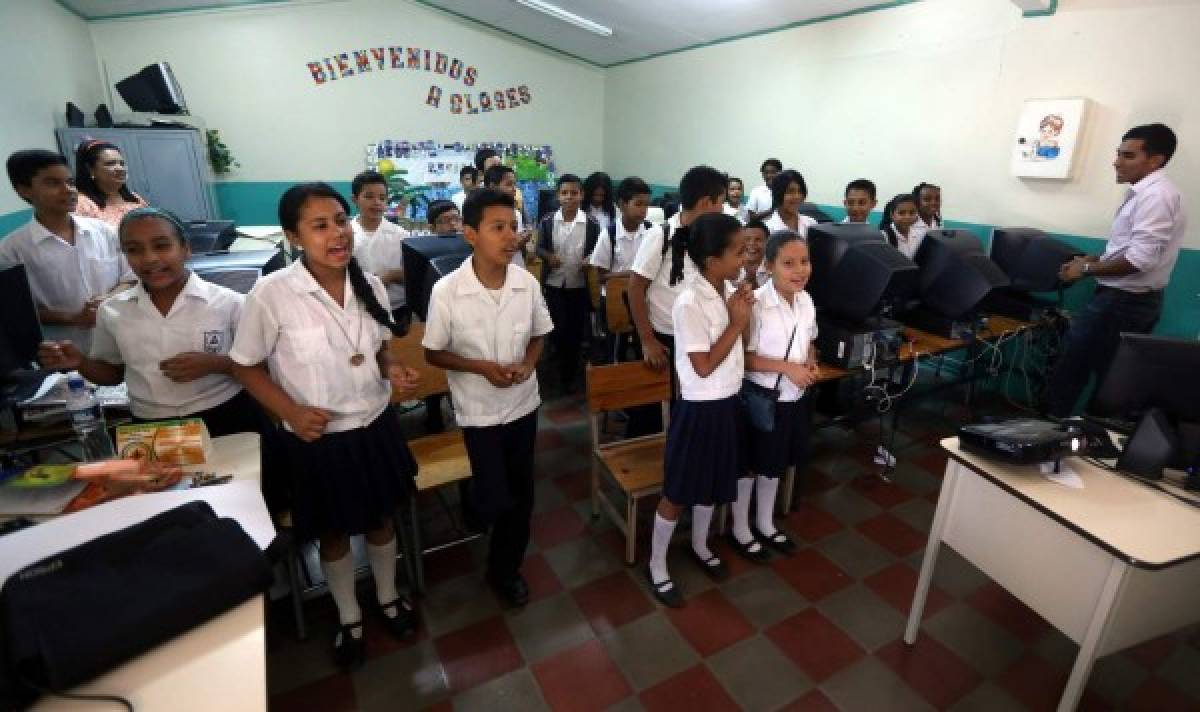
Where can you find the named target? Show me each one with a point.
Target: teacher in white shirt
(1131, 275)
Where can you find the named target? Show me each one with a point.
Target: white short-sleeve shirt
(700, 317)
(775, 223)
(130, 330)
(307, 340)
(760, 200)
(618, 257)
(63, 276)
(601, 217)
(907, 245)
(381, 252)
(570, 241)
(458, 199)
(651, 263)
(774, 319)
(464, 319)
(921, 227)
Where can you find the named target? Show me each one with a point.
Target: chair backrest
(593, 285)
(407, 349)
(625, 385)
(616, 311)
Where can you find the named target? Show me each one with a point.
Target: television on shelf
(153, 90)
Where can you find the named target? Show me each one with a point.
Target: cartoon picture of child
(1049, 129)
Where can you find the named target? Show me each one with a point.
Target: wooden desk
(1110, 565)
(220, 665)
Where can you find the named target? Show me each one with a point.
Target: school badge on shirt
(214, 342)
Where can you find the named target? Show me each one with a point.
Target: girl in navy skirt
(780, 354)
(321, 326)
(704, 440)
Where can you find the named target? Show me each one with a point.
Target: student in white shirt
(899, 225)
(566, 240)
(378, 241)
(929, 208)
(704, 452)
(733, 201)
(502, 178)
(468, 179)
(755, 271)
(761, 202)
(780, 355)
(487, 325)
(859, 200)
(322, 326)
(73, 263)
(1132, 273)
(788, 193)
(617, 245)
(598, 196)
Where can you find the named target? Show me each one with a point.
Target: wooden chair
(616, 312)
(634, 466)
(441, 457)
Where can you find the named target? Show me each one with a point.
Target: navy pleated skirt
(705, 452)
(770, 454)
(349, 482)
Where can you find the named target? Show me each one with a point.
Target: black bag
(760, 401)
(79, 613)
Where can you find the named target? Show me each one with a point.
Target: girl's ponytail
(679, 246)
(364, 294)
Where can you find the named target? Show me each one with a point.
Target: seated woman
(100, 177)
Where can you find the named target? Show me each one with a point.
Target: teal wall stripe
(257, 202)
(14, 220)
(1043, 13)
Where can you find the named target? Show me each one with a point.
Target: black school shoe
(402, 625)
(777, 541)
(713, 566)
(666, 592)
(513, 592)
(761, 556)
(349, 652)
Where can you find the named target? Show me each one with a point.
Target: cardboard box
(178, 442)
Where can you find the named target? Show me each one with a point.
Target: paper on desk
(1066, 476)
(41, 397)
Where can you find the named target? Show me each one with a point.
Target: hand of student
(802, 374)
(86, 318)
(188, 366)
(59, 355)
(394, 276)
(499, 376)
(308, 423)
(654, 354)
(739, 304)
(1073, 270)
(404, 380)
(521, 372)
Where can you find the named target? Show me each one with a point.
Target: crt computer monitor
(238, 271)
(210, 235)
(956, 274)
(417, 254)
(153, 90)
(855, 273)
(1030, 258)
(20, 330)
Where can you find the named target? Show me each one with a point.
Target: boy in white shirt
(73, 263)
(859, 200)
(504, 179)
(617, 246)
(733, 201)
(761, 203)
(468, 178)
(377, 240)
(486, 326)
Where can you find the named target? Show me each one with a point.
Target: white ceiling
(641, 28)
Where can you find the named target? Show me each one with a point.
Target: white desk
(1110, 565)
(220, 665)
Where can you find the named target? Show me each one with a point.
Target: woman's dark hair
(599, 179)
(154, 213)
(478, 200)
(707, 236)
(630, 187)
(777, 240)
(889, 212)
(780, 185)
(362, 180)
(290, 204)
(85, 159)
(916, 193)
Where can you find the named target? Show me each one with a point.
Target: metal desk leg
(418, 558)
(1091, 640)
(945, 503)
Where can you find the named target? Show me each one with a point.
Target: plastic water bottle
(87, 418)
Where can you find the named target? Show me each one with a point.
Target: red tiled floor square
(892, 533)
(614, 541)
(693, 690)
(810, 573)
(709, 622)
(581, 679)
(733, 561)
(812, 701)
(575, 486)
(448, 563)
(478, 653)
(612, 601)
(933, 462)
(1157, 695)
(1152, 653)
(331, 694)
(812, 481)
(540, 577)
(896, 584)
(811, 523)
(884, 494)
(814, 643)
(548, 439)
(936, 673)
(551, 528)
(995, 602)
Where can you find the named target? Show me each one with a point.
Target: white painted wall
(49, 60)
(924, 91)
(244, 71)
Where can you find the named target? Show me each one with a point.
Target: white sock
(339, 575)
(659, 542)
(383, 568)
(741, 511)
(767, 486)
(701, 520)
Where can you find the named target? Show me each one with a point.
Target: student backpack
(612, 240)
